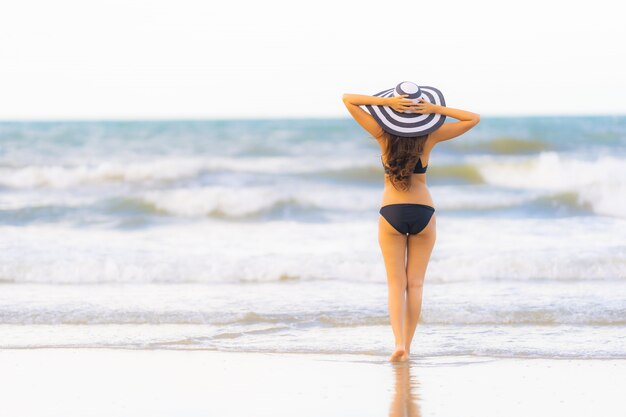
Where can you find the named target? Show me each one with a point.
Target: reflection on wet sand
(405, 400)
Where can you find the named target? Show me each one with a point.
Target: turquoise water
(261, 235)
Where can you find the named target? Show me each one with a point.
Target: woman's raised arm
(353, 101)
(467, 120)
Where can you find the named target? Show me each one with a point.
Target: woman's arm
(467, 120)
(462, 115)
(353, 101)
(398, 103)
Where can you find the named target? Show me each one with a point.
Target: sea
(261, 236)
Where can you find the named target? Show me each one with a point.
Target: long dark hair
(401, 154)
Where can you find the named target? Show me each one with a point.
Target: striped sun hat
(408, 123)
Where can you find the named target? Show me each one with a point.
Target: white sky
(130, 59)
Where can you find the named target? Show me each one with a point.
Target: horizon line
(274, 118)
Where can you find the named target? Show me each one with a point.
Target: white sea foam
(331, 303)
(547, 319)
(25, 199)
(573, 248)
(241, 201)
(563, 341)
(606, 198)
(600, 182)
(481, 196)
(64, 176)
(73, 173)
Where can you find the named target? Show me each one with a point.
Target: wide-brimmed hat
(408, 123)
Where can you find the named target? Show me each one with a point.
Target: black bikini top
(419, 169)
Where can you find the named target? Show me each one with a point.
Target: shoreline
(120, 381)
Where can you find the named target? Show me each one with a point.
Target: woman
(407, 122)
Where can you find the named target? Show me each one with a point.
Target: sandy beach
(122, 382)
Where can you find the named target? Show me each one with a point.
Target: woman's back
(418, 191)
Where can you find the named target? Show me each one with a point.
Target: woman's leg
(420, 247)
(393, 246)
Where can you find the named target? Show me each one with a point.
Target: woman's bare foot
(399, 354)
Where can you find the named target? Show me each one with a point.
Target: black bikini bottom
(406, 218)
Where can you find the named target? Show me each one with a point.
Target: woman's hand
(399, 103)
(423, 107)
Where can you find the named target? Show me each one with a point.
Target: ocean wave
(165, 169)
(235, 202)
(599, 183)
(460, 172)
(65, 176)
(548, 179)
(249, 202)
(258, 202)
(283, 251)
(435, 341)
(252, 202)
(465, 172)
(457, 315)
(26, 199)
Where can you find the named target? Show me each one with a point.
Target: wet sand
(117, 382)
